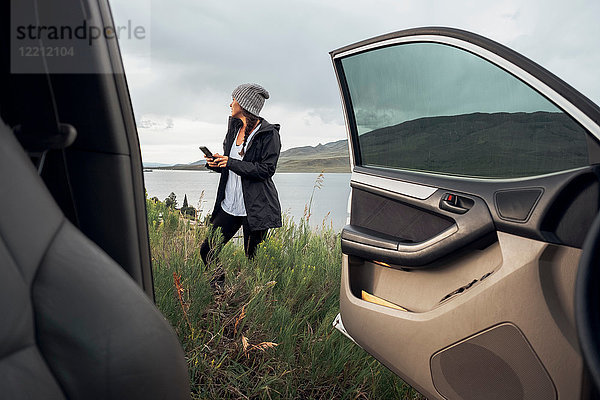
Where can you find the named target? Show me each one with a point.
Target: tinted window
(436, 108)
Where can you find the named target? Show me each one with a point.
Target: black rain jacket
(256, 169)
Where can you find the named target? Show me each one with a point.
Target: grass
(269, 334)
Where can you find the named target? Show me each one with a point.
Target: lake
(329, 202)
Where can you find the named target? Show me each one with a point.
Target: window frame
(584, 112)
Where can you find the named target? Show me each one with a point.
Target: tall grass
(268, 334)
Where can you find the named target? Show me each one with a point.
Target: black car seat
(73, 324)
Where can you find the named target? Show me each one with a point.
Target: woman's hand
(219, 160)
(211, 161)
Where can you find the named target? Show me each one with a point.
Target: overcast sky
(196, 52)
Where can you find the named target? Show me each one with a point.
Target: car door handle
(455, 204)
(446, 205)
(370, 238)
(437, 239)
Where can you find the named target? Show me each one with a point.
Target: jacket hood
(265, 127)
(264, 124)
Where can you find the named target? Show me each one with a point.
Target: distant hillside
(332, 149)
(329, 157)
(486, 144)
(155, 165)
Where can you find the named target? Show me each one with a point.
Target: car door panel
(482, 267)
(525, 275)
(510, 272)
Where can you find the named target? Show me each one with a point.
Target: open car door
(474, 184)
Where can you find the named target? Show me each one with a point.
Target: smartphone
(206, 151)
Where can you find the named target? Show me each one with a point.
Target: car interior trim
(400, 187)
(370, 242)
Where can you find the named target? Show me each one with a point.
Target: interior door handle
(437, 239)
(455, 204)
(370, 238)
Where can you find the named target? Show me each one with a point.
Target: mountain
(333, 149)
(155, 165)
(497, 145)
(329, 157)
(193, 166)
(199, 162)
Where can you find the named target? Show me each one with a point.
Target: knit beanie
(251, 97)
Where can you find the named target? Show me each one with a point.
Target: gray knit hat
(251, 97)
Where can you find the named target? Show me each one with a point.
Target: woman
(246, 195)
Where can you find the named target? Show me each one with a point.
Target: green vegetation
(186, 209)
(269, 334)
(171, 201)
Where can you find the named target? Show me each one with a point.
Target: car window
(436, 108)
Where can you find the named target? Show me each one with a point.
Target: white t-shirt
(233, 203)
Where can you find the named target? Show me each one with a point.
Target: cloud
(201, 50)
(179, 143)
(176, 140)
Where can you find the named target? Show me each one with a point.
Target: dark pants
(229, 225)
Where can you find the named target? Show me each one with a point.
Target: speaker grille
(496, 364)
